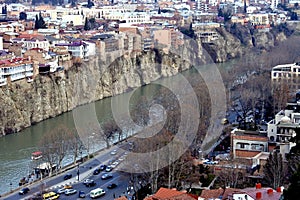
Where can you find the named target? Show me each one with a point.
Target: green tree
(22, 16)
(90, 4)
(293, 191)
(87, 25)
(274, 171)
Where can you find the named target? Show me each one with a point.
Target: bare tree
(55, 146)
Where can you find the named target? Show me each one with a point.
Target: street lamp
(78, 172)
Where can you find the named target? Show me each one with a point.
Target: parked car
(96, 171)
(89, 182)
(211, 162)
(106, 176)
(102, 167)
(70, 191)
(24, 191)
(112, 186)
(109, 168)
(81, 194)
(67, 176)
(114, 152)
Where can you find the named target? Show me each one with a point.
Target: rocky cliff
(23, 104)
(235, 40)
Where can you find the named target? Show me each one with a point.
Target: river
(16, 149)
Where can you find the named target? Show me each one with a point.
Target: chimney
(258, 195)
(258, 185)
(278, 189)
(270, 191)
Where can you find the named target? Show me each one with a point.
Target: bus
(97, 193)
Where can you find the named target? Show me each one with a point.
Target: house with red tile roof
(254, 193)
(171, 194)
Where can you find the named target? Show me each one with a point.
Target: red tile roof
(207, 194)
(170, 194)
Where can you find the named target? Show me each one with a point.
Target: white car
(70, 191)
(114, 152)
(61, 190)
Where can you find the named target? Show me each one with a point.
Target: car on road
(67, 176)
(109, 168)
(106, 176)
(102, 167)
(98, 192)
(114, 152)
(61, 191)
(96, 171)
(50, 195)
(210, 162)
(89, 183)
(68, 186)
(112, 186)
(70, 191)
(81, 194)
(24, 191)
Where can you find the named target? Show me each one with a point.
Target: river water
(16, 149)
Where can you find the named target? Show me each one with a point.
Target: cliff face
(47, 96)
(23, 104)
(236, 40)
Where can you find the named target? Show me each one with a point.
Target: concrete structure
(15, 69)
(288, 74)
(282, 128)
(247, 144)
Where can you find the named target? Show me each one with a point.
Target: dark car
(102, 167)
(81, 194)
(89, 183)
(67, 176)
(106, 176)
(24, 191)
(96, 171)
(112, 186)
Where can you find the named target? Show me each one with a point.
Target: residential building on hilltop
(288, 74)
(282, 128)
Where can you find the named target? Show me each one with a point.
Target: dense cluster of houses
(110, 29)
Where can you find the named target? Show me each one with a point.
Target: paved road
(86, 171)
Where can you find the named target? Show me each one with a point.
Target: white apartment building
(286, 71)
(81, 49)
(282, 128)
(15, 69)
(33, 43)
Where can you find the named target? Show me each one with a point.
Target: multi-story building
(16, 69)
(247, 144)
(282, 128)
(81, 49)
(288, 74)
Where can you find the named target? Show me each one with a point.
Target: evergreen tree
(274, 171)
(86, 24)
(293, 191)
(4, 10)
(41, 21)
(22, 16)
(90, 4)
(36, 22)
